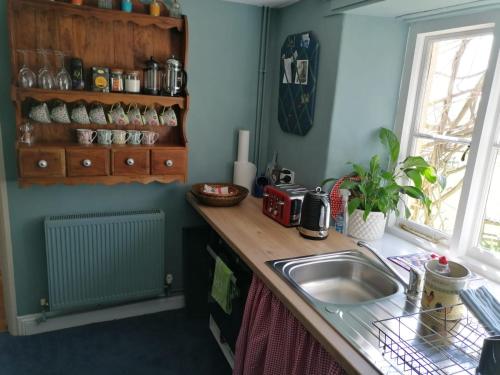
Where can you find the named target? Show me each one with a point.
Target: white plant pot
(370, 230)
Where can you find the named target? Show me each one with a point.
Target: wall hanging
(298, 77)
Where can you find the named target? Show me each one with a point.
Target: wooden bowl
(236, 194)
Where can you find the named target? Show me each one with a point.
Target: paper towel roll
(243, 145)
(244, 174)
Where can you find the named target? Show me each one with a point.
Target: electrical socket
(169, 279)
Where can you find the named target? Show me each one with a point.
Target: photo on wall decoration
(298, 78)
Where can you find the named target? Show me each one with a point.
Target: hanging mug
(97, 114)
(59, 113)
(117, 115)
(134, 115)
(80, 115)
(150, 117)
(40, 113)
(168, 117)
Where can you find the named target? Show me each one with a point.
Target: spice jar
(132, 82)
(154, 8)
(116, 80)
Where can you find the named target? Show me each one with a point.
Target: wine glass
(26, 77)
(45, 77)
(63, 79)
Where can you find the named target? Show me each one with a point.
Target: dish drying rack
(422, 344)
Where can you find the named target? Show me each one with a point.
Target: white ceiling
(267, 3)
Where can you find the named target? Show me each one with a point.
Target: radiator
(99, 259)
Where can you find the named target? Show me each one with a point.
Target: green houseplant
(377, 191)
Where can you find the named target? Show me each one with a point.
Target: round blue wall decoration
(298, 78)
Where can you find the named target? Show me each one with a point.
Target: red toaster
(283, 203)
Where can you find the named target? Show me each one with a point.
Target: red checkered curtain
(273, 342)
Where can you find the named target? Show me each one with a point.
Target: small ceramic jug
(80, 115)
(40, 113)
(117, 115)
(97, 114)
(168, 117)
(59, 113)
(134, 115)
(150, 117)
(104, 136)
(120, 137)
(134, 137)
(85, 136)
(149, 138)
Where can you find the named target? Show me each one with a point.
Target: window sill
(397, 241)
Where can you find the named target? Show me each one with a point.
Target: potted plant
(376, 192)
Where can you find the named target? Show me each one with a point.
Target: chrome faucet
(413, 286)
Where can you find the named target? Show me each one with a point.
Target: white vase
(370, 230)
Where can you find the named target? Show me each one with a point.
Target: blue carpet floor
(165, 343)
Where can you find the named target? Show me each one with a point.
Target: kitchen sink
(342, 278)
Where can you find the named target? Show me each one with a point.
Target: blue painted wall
(224, 44)
(360, 67)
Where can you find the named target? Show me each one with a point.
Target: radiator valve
(169, 279)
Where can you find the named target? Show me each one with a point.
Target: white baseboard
(33, 324)
(226, 349)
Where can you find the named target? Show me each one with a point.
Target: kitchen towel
(223, 286)
(244, 174)
(243, 145)
(484, 306)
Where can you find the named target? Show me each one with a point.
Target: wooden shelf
(20, 94)
(98, 146)
(66, 9)
(102, 180)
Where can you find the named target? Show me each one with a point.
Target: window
(451, 118)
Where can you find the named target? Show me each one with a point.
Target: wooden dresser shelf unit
(100, 37)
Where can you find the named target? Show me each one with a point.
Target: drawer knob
(130, 161)
(87, 163)
(43, 163)
(169, 163)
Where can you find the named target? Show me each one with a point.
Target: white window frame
(472, 202)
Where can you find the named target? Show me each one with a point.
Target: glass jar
(116, 80)
(132, 82)
(105, 4)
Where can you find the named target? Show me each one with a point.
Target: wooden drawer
(168, 162)
(42, 162)
(87, 162)
(130, 162)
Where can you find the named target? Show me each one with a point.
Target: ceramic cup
(168, 117)
(117, 115)
(442, 292)
(59, 113)
(120, 137)
(40, 113)
(149, 138)
(134, 137)
(97, 114)
(150, 117)
(80, 115)
(134, 115)
(85, 136)
(104, 136)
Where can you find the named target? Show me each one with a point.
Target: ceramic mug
(134, 137)
(117, 115)
(150, 117)
(168, 117)
(120, 137)
(442, 292)
(85, 136)
(80, 115)
(40, 113)
(104, 136)
(134, 115)
(59, 113)
(149, 138)
(97, 114)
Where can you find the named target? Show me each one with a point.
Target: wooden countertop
(257, 239)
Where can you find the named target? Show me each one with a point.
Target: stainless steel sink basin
(342, 278)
